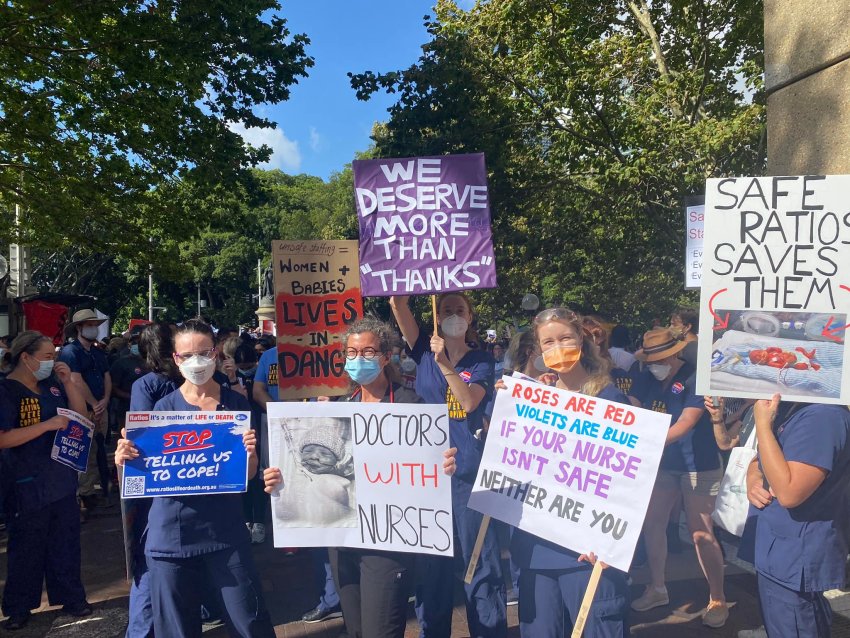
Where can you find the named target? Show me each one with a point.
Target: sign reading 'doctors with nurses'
(72, 444)
(186, 453)
(424, 225)
(366, 475)
(775, 293)
(572, 469)
(317, 296)
(694, 229)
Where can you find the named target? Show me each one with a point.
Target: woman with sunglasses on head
(196, 541)
(373, 585)
(690, 468)
(39, 494)
(449, 371)
(553, 579)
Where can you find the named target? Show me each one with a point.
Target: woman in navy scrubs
(39, 494)
(690, 467)
(373, 585)
(801, 483)
(450, 372)
(197, 542)
(553, 579)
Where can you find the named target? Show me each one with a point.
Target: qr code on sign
(134, 486)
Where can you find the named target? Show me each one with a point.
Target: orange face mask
(562, 358)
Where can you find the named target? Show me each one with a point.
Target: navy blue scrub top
(532, 552)
(149, 389)
(697, 451)
(805, 548)
(184, 526)
(91, 364)
(476, 366)
(31, 479)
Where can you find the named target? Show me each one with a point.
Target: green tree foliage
(597, 119)
(103, 101)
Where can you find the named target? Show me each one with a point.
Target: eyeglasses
(366, 353)
(549, 314)
(185, 356)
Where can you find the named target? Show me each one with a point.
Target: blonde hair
(596, 366)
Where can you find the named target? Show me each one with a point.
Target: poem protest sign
(424, 225)
(317, 296)
(186, 453)
(572, 469)
(776, 288)
(694, 233)
(72, 444)
(365, 475)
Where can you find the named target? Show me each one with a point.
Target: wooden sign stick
(434, 309)
(587, 601)
(476, 551)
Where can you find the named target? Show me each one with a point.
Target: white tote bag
(731, 506)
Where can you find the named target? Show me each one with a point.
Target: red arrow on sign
(832, 333)
(721, 324)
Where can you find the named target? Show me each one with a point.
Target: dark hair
(245, 353)
(620, 336)
(28, 341)
(196, 326)
(689, 317)
(267, 342)
(156, 345)
(522, 347)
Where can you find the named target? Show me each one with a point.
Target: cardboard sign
(424, 225)
(72, 444)
(776, 288)
(694, 233)
(186, 453)
(317, 296)
(365, 475)
(569, 468)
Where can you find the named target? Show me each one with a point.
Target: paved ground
(288, 594)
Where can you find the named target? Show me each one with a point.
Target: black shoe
(319, 614)
(79, 610)
(16, 621)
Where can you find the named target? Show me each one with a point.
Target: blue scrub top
(91, 364)
(532, 552)
(805, 548)
(267, 372)
(697, 451)
(149, 389)
(476, 366)
(31, 479)
(184, 526)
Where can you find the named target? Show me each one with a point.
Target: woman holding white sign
(39, 494)
(373, 585)
(553, 579)
(451, 372)
(196, 542)
(690, 467)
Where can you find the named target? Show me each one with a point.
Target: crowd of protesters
(191, 556)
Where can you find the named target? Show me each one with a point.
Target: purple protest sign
(424, 225)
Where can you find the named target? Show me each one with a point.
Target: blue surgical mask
(395, 358)
(363, 371)
(134, 349)
(249, 373)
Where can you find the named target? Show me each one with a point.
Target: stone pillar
(807, 78)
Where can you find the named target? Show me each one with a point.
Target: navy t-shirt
(31, 479)
(532, 552)
(149, 389)
(697, 451)
(804, 548)
(476, 366)
(183, 526)
(92, 365)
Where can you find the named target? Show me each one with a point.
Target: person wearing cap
(39, 494)
(90, 370)
(690, 467)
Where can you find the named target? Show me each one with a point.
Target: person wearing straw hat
(90, 370)
(690, 467)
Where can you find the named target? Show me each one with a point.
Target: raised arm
(405, 319)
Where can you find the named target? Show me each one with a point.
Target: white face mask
(198, 370)
(89, 332)
(408, 366)
(659, 370)
(44, 370)
(454, 326)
